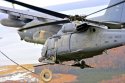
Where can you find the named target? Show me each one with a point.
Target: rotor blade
(45, 24)
(106, 8)
(110, 25)
(46, 11)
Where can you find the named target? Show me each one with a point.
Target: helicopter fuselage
(81, 45)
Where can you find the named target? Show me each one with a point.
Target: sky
(26, 53)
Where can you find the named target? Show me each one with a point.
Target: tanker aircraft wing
(106, 19)
(23, 14)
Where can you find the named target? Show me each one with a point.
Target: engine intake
(72, 27)
(82, 27)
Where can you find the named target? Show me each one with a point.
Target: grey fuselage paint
(81, 45)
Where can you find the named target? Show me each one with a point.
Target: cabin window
(94, 30)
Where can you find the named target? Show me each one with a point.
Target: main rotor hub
(77, 17)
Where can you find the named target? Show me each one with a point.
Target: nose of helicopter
(41, 59)
(21, 34)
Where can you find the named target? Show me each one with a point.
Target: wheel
(53, 58)
(82, 62)
(46, 75)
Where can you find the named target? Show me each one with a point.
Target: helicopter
(79, 38)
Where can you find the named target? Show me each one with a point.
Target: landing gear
(52, 58)
(81, 64)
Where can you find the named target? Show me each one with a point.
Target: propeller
(60, 15)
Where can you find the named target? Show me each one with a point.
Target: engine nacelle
(82, 27)
(69, 27)
(12, 22)
(72, 27)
